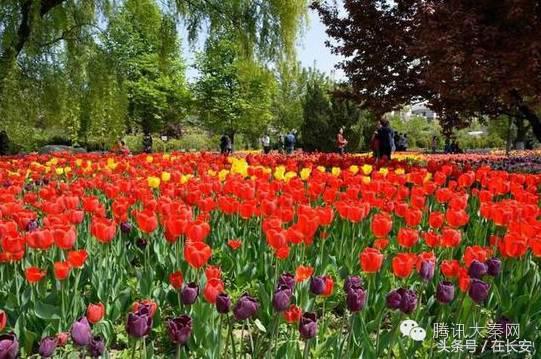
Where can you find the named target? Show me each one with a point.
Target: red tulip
(102, 229)
(234, 244)
(407, 237)
(329, 286)
(34, 274)
(148, 302)
(176, 279)
(64, 237)
(95, 312)
(371, 260)
(197, 253)
(77, 259)
(303, 273)
(293, 314)
(213, 287)
(3, 319)
(403, 264)
(61, 270)
(146, 221)
(212, 272)
(381, 225)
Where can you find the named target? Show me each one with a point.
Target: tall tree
(465, 58)
(144, 48)
(234, 94)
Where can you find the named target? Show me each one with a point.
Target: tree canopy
(466, 59)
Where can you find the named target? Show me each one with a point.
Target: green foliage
(419, 130)
(324, 115)
(233, 94)
(144, 49)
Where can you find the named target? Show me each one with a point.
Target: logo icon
(410, 328)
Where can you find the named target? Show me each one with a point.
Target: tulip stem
(306, 353)
(133, 347)
(232, 339)
(179, 349)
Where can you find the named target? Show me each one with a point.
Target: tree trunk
(532, 118)
(16, 45)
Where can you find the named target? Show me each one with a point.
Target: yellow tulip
(336, 171)
(354, 169)
(305, 173)
(166, 176)
(153, 182)
(367, 169)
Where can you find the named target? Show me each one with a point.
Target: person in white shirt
(265, 142)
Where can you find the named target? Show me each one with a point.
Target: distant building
(418, 110)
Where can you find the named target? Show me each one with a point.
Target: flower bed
(200, 255)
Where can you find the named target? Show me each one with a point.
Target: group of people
(382, 142)
(288, 142)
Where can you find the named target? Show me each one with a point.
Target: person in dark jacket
(147, 143)
(225, 145)
(4, 143)
(385, 139)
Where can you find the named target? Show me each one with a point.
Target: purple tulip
(281, 298)
(352, 281)
(308, 325)
(394, 298)
(427, 270)
(317, 285)
(189, 293)
(125, 227)
(81, 332)
(504, 323)
(477, 269)
(32, 225)
(246, 307)
(96, 348)
(403, 299)
(355, 299)
(9, 346)
(445, 292)
(287, 279)
(141, 243)
(223, 303)
(180, 329)
(494, 266)
(478, 290)
(139, 323)
(408, 302)
(47, 347)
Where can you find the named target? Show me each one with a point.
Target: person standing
(4, 143)
(341, 141)
(385, 139)
(265, 142)
(225, 145)
(147, 143)
(289, 142)
(434, 143)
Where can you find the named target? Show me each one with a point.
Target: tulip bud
(62, 338)
(96, 348)
(95, 312)
(180, 329)
(139, 323)
(47, 347)
(308, 325)
(223, 303)
(493, 266)
(355, 299)
(246, 307)
(445, 292)
(478, 290)
(3, 319)
(317, 285)
(352, 281)
(9, 346)
(32, 225)
(141, 243)
(281, 298)
(81, 332)
(189, 293)
(125, 227)
(427, 270)
(287, 279)
(477, 269)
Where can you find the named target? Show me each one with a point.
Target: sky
(311, 50)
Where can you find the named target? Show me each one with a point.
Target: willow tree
(53, 44)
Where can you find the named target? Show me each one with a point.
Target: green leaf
(47, 311)
(260, 326)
